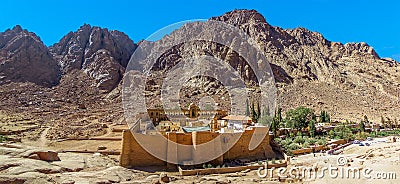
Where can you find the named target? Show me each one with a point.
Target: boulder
(164, 178)
(101, 148)
(48, 156)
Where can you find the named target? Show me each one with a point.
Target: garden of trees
(298, 129)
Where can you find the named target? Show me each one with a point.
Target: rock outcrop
(100, 53)
(24, 58)
(72, 168)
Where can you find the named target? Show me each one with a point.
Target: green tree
(247, 108)
(343, 132)
(278, 115)
(324, 117)
(311, 128)
(258, 110)
(299, 118)
(253, 113)
(362, 126)
(276, 121)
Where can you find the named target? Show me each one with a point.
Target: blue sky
(372, 21)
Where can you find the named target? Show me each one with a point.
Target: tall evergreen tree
(247, 108)
(277, 120)
(324, 117)
(278, 115)
(253, 112)
(362, 126)
(311, 128)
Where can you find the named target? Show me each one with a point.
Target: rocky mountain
(100, 53)
(350, 80)
(24, 58)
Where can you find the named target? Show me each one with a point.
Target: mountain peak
(85, 25)
(24, 58)
(238, 17)
(17, 28)
(100, 53)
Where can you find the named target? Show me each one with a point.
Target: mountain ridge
(309, 69)
(323, 72)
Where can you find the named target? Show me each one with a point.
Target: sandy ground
(375, 163)
(380, 159)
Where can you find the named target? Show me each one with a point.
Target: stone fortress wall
(134, 155)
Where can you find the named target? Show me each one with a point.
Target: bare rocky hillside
(78, 80)
(350, 80)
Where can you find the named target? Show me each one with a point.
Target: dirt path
(43, 140)
(109, 132)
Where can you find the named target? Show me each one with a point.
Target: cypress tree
(247, 108)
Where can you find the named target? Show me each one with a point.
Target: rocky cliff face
(24, 58)
(100, 53)
(349, 80)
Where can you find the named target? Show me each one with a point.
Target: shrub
(306, 145)
(3, 138)
(361, 136)
(278, 140)
(293, 146)
(331, 134)
(286, 142)
(299, 140)
(312, 141)
(321, 142)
